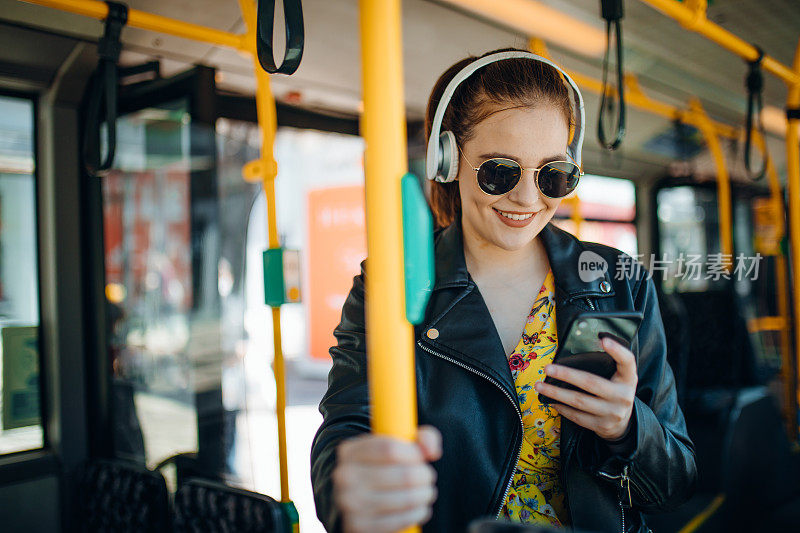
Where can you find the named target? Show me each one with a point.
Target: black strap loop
(682, 139)
(149, 67)
(293, 13)
(611, 10)
(792, 113)
(110, 46)
(104, 89)
(755, 88)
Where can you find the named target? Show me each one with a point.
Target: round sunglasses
(500, 175)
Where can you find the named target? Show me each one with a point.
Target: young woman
(507, 284)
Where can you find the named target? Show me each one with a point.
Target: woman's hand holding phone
(608, 406)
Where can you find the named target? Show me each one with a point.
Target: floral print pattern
(536, 494)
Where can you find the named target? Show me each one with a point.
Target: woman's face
(531, 136)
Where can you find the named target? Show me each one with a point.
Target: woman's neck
(495, 265)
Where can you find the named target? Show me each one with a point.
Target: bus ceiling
(698, 67)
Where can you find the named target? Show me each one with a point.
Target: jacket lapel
(461, 327)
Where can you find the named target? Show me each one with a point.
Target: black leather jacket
(466, 390)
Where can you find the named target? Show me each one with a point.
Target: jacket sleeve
(659, 453)
(345, 406)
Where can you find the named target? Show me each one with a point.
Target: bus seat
(188, 466)
(202, 506)
(760, 470)
(721, 353)
(676, 330)
(744, 453)
(115, 495)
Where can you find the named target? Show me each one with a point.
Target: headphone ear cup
(448, 164)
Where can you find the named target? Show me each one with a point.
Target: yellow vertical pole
(782, 292)
(266, 169)
(390, 348)
(788, 358)
(538, 47)
(723, 181)
(793, 186)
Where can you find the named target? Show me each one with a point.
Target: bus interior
(142, 386)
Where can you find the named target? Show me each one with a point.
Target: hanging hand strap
(755, 87)
(293, 13)
(611, 10)
(104, 89)
(680, 139)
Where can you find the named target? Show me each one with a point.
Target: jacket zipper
(505, 392)
(625, 483)
(591, 305)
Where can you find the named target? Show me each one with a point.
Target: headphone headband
(435, 156)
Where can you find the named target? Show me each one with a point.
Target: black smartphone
(582, 347)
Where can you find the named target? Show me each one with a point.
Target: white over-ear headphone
(441, 163)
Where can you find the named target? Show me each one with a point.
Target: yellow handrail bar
(637, 98)
(149, 21)
(694, 18)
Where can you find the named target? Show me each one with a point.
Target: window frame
(41, 456)
(739, 191)
(634, 220)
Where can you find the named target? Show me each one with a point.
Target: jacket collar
(563, 252)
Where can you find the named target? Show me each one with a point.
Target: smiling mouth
(515, 216)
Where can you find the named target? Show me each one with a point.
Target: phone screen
(584, 333)
(582, 347)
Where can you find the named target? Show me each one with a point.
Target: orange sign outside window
(337, 243)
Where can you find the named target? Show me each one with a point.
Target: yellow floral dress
(536, 495)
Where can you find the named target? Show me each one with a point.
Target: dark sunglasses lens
(498, 176)
(558, 179)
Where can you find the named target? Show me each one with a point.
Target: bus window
(20, 417)
(689, 251)
(172, 342)
(608, 209)
(149, 287)
(174, 214)
(688, 228)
